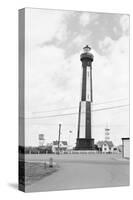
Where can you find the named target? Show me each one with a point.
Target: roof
(101, 143)
(125, 138)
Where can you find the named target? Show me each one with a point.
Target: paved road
(84, 171)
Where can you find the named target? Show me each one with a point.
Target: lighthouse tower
(84, 138)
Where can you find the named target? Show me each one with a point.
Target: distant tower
(107, 133)
(41, 139)
(84, 139)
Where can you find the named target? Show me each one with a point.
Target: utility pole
(59, 138)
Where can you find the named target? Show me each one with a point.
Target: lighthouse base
(85, 144)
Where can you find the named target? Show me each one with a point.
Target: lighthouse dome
(86, 55)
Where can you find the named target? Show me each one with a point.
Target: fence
(85, 152)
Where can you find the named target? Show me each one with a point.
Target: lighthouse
(84, 136)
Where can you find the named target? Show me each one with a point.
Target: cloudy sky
(54, 41)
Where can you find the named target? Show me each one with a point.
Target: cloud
(115, 67)
(81, 40)
(85, 19)
(61, 34)
(106, 45)
(124, 22)
(43, 25)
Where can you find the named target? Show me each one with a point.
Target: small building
(105, 146)
(115, 149)
(126, 147)
(63, 146)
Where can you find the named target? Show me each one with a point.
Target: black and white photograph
(73, 100)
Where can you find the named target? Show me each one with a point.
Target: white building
(63, 146)
(105, 146)
(126, 147)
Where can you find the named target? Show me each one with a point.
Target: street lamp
(70, 131)
(59, 138)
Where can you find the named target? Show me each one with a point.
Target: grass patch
(35, 171)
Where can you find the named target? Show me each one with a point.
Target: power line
(111, 101)
(68, 114)
(109, 108)
(93, 125)
(74, 107)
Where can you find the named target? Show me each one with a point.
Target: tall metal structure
(84, 138)
(107, 134)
